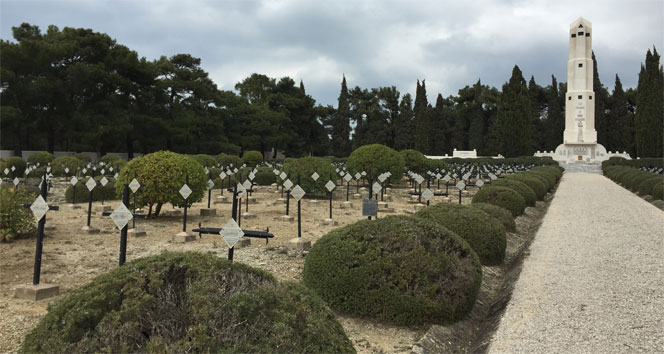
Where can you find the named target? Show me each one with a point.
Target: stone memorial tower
(580, 137)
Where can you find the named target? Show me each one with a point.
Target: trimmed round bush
(252, 158)
(265, 178)
(658, 191)
(547, 179)
(636, 181)
(414, 161)
(647, 185)
(305, 167)
(205, 160)
(526, 192)
(532, 181)
(83, 157)
(42, 158)
(19, 167)
(188, 302)
(100, 192)
(112, 161)
(626, 178)
(503, 197)
(485, 235)
(229, 160)
(501, 214)
(60, 163)
(555, 171)
(376, 159)
(399, 269)
(163, 173)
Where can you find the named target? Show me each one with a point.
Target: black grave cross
(39, 209)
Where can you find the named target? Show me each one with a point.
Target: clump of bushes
(19, 167)
(503, 197)
(658, 191)
(376, 159)
(188, 302)
(265, 178)
(16, 220)
(229, 160)
(305, 167)
(485, 235)
(163, 174)
(503, 215)
(526, 192)
(60, 163)
(646, 187)
(415, 161)
(205, 160)
(399, 269)
(42, 158)
(537, 184)
(112, 161)
(252, 158)
(636, 180)
(100, 192)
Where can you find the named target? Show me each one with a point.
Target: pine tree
(650, 107)
(513, 126)
(341, 124)
(404, 127)
(621, 136)
(422, 124)
(438, 127)
(476, 120)
(602, 125)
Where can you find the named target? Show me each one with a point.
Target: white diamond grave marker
(376, 187)
(330, 186)
(103, 181)
(283, 175)
(210, 184)
(358, 176)
(419, 179)
(298, 193)
(315, 176)
(288, 184)
(73, 181)
(185, 191)
(6, 171)
(460, 185)
(121, 216)
(91, 184)
(231, 233)
(222, 175)
(134, 185)
(16, 181)
(66, 169)
(13, 168)
(39, 208)
(348, 177)
(479, 183)
(427, 194)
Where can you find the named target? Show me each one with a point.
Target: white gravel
(594, 279)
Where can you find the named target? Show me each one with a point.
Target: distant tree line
(78, 90)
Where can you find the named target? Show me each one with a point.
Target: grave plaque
(235, 170)
(252, 175)
(466, 176)
(13, 168)
(103, 171)
(121, 216)
(298, 193)
(369, 207)
(15, 181)
(246, 184)
(348, 177)
(185, 191)
(276, 172)
(66, 169)
(382, 178)
(439, 176)
(231, 233)
(134, 185)
(358, 176)
(84, 170)
(419, 179)
(110, 169)
(288, 184)
(39, 208)
(364, 173)
(330, 186)
(103, 181)
(427, 194)
(222, 175)
(210, 184)
(6, 171)
(116, 175)
(377, 187)
(492, 176)
(460, 186)
(315, 176)
(283, 176)
(342, 173)
(337, 169)
(479, 183)
(91, 184)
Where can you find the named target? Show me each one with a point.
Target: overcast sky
(374, 43)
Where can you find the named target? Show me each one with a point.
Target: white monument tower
(580, 137)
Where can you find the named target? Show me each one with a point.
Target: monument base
(90, 230)
(288, 218)
(346, 205)
(136, 232)
(208, 212)
(184, 237)
(299, 243)
(36, 292)
(580, 152)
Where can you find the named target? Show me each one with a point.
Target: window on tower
(587, 34)
(569, 98)
(590, 97)
(580, 33)
(580, 65)
(573, 35)
(580, 96)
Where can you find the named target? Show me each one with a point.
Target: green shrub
(19, 167)
(636, 180)
(305, 167)
(399, 269)
(501, 214)
(15, 219)
(526, 192)
(485, 235)
(163, 174)
(205, 160)
(548, 177)
(531, 181)
(620, 172)
(42, 158)
(60, 163)
(112, 161)
(100, 192)
(553, 171)
(503, 197)
(626, 178)
(188, 302)
(83, 157)
(265, 178)
(647, 185)
(252, 158)
(376, 159)
(658, 191)
(414, 161)
(229, 160)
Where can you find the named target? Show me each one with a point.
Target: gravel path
(594, 279)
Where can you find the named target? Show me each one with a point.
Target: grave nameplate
(91, 184)
(315, 176)
(121, 216)
(103, 181)
(73, 181)
(39, 208)
(15, 181)
(283, 175)
(348, 177)
(185, 191)
(382, 178)
(427, 194)
(252, 175)
(66, 169)
(13, 168)
(134, 185)
(298, 193)
(460, 186)
(377, 187)
(116, 175)
(369, 207)
(231, 233)
(479, 183)
(288, 184)
(222, 175)
(492, 176)
(330, 186)
(6, 171)
(246, 184)
(358, 175)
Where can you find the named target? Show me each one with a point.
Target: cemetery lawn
(72, 258)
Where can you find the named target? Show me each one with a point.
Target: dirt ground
(72, 258)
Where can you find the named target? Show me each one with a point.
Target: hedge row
(638, 181)
(100, 192)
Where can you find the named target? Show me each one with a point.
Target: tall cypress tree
(514, 123)
(621, 136)
(554, 125)
(438, 127)
(650, 107)
(476, 120)
(538, 101)
(421, 119)
(404, 127)
(341, 124)
(602, 125)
